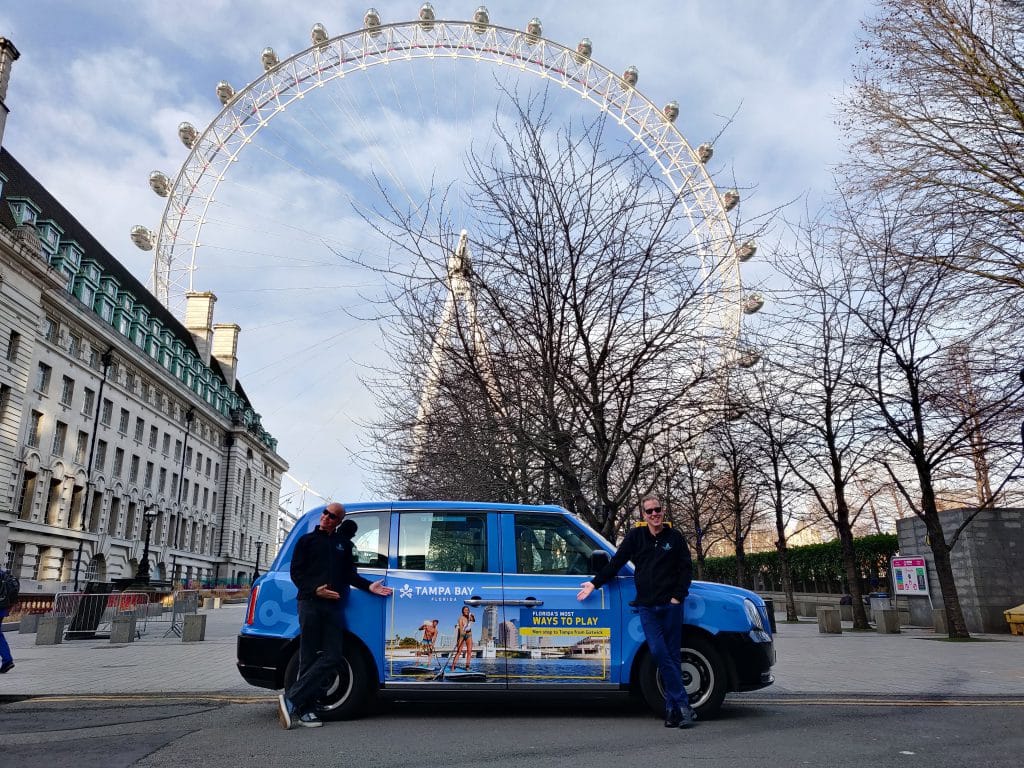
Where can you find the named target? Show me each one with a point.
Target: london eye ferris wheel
(270, 192)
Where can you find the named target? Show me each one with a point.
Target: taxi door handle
(530, 602)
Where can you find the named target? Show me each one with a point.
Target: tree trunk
(860, 616)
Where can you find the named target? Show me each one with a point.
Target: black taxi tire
(701, 662)
(349, 693)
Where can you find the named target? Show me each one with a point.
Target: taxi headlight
(753, 614)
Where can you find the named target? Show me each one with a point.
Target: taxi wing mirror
(598, 560)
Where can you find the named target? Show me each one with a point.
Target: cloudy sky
(101, 86)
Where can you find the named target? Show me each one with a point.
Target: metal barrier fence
(91, 615)
(185, 601)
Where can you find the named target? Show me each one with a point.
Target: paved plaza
(913, 663)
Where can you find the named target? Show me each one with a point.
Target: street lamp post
(256, 570)
(142, 576)
(105, 359)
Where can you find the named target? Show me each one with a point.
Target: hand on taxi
(327, 593)
(378, 588)
(584, 593)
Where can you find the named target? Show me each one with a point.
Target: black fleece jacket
(322, 558)
(664, 569)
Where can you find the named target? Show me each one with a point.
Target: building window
(133, 469)
(188, 456)
(208, 463)
(195, 494)
(206, 499)
(140, 428)
(107, 412)
(5, 399)
(154, 434)
(129, 381)
(216, 472)
(51, 330)
(162, 481)
(60, 434)
(74, 345)
(147, 393)
(67, 390)
(148, 480)
(13, 344)
(167, 444)
(174, 482)
(177, 450)
(122, 425)
(90, 402)
(118, 462)
(101, 455)
(81, 447)
(43, 378)
(35, 429)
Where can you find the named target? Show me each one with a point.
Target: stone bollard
(50, 630)
(217, 602)
(887, 621)
(29, 623)
(193, 629)
(939, 621)
(207, 603)
(122, 629)
(846, 612)
(828, 621)
(807, 608)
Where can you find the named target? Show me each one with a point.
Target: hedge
(814, 567)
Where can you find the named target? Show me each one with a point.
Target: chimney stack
(199, 321)
(225, 350)
(8, 55)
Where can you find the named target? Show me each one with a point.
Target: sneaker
(689, 717)
(7, 667)
(284, 712)
(310, 720)
(673, 718)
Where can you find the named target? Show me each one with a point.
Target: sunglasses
(653, 511)
(332, 515)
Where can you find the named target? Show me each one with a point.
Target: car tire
(704, 678)
(348, 695)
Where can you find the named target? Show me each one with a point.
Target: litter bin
(879, 601)
(769, 604)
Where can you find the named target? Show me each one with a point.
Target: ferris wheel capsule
(704, 152)
(269, 59)
(534, 29)
(318, 34)
(748, 357)
(631, 76)
(159, 183)
(225, 92)
(753, 303)
(730, 199)
(427, 16)
(671, 111)
(371, 20)
(746, 251)
(481, 19)
(143, 237)
(583, 49)
(188, 134)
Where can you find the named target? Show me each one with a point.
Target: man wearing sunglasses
(323, 568)
(663, 573)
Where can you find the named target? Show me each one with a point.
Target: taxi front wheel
(704, 678)
(347, 696)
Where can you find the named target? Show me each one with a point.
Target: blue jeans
(5, 649)
(322, 627)
(663, 628)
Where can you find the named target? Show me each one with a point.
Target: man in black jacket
(662, 578)
(323, 569)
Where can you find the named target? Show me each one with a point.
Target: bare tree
(936, 117)
(591, 300)
(918, 316)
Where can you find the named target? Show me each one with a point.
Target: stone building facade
(115, 417)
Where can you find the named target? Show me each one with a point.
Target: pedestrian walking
(323, 568)
(8, 595)
(664, 571)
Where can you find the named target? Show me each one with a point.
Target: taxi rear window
(443, 541)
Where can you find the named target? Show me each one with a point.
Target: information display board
(910, 575)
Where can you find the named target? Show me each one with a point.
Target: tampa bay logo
(405, 591)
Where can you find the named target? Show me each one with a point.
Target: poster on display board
(910, 576)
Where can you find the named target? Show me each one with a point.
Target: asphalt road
(783, 731)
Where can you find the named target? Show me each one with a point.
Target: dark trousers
(322, 627)
(5, 649)
(663, 628)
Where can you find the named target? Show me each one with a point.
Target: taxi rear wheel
(347, 696)
(704, 678)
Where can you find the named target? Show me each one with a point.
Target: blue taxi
(485, 600)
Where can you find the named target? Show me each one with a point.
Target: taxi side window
(443, 541)
(551, 545)
(370, 543)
